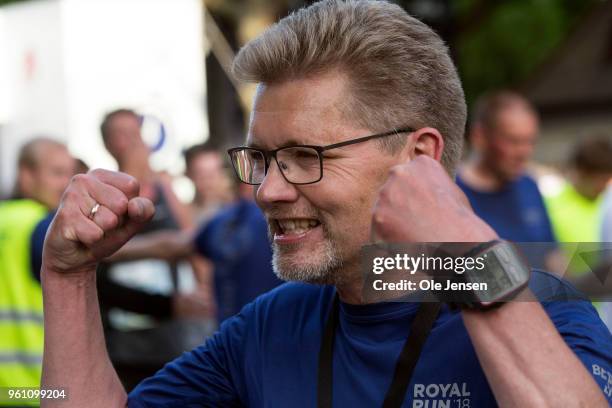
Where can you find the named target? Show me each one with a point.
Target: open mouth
(294, 226)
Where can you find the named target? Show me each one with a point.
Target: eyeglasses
(300, 164)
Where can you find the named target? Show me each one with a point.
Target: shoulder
(527, 182)
(40, 230)
(570, 310)
(548, 287)
(292, 297)
(44, 223)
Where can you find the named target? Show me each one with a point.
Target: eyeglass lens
(298, 164)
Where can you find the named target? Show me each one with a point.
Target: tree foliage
(513, 39)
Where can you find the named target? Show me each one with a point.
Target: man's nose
(275, 188)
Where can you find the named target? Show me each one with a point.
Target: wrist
(483, 233)
(503, 277)
(79, 276)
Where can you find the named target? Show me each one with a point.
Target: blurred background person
(502, 136)
(44, 170)
(141, 300)
(121, 134)
(205, 167)
(577, 215)
(235, 240)
(576, 209)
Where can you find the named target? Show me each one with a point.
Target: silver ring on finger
(93, 211)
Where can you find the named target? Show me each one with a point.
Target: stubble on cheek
(320, 264)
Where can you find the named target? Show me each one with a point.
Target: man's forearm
(75, 356)
(169, 245)
(522, 355)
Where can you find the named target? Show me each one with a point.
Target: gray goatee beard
(322, 268)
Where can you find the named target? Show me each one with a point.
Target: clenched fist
(99, 212)
(420, 203)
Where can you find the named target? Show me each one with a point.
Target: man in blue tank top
(356, 128)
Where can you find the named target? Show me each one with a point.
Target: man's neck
(477, 175)
(351, 292)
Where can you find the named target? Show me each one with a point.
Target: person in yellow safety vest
(44, 170)
(575, 211)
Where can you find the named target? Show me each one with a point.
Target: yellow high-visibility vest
(21, 306)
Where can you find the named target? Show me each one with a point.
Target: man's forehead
(308, 93)
(516, 126)
(298, 111)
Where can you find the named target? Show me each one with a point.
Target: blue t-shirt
(268, 354)
(516, 212)
(236, 241)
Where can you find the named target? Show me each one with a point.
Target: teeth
(297, 226)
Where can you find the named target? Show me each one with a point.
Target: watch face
(504, 273)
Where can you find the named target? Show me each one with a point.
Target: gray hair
(400, 72)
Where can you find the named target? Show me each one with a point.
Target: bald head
(491, 106)
(504, 130)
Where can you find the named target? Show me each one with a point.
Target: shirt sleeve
(580, 326)
(208, 376)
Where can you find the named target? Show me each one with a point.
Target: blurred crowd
(197, 263)
(191, 267)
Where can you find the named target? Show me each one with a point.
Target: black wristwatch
(505, 274)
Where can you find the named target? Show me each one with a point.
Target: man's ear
(427, 141)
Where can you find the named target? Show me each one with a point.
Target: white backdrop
(64, 63)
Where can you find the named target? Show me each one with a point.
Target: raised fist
(99, 212)
(420, 203)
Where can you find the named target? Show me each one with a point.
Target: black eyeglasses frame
(269, 154)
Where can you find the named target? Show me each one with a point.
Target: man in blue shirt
(356, 128)
(503, 132)
(235, 240)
